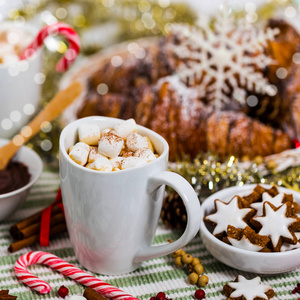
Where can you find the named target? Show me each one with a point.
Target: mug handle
(192, 205)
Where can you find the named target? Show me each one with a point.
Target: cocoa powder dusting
(112, 138)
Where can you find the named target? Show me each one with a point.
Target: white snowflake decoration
(225, 60)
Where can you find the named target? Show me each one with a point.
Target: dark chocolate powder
(15, 176)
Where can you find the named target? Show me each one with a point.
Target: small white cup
(112, 216)
(20, 89)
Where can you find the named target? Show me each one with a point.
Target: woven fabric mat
(153, 276)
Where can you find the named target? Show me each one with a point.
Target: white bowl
(10, 202)
(256, 262)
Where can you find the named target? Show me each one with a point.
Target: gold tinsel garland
(207, 175)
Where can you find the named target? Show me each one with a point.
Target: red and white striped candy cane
(56, 263)
(57, 28)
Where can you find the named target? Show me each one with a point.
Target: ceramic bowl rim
(33, 179)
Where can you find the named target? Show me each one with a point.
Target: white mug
(20, 88)
(112, 216)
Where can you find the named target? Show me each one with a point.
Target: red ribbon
(46, 220)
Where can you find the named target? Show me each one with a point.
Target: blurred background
(102, 23)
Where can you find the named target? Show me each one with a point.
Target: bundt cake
(227, 89)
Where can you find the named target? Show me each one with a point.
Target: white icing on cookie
(250, 289)
(244, 243)
(228, 214)
(275, 223)
(288, 247)
(276, 201)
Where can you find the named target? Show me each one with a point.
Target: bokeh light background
(101, 23)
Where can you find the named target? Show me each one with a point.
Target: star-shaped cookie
(276, 201)
(244, 289)
(288, 247)
(5, 296)
(246, 239)
(229, 213)
(277, 224)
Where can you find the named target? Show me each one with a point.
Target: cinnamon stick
(35, 228)
(59, 228)
(90, 294)
(15, 229)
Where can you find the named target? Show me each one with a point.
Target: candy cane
(58, 28)
(48, 259)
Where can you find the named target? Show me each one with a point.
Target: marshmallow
(135, 141)
(89, 134)
(116, 162)
(110, 145)
(70, 149)
(130, 162)
(79, 153)
(101, 164)
(150, 145)
(125, 128)
(145, 153)
(105, 130)
(94, 154)
(126, 153)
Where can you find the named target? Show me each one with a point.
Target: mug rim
(73, 124)
(25, 28)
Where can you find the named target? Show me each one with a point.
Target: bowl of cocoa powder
(16, 180)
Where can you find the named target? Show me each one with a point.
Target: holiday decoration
(39, 257)
(63, 29)
(225, 61)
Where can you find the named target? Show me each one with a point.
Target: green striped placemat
(153, 276)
